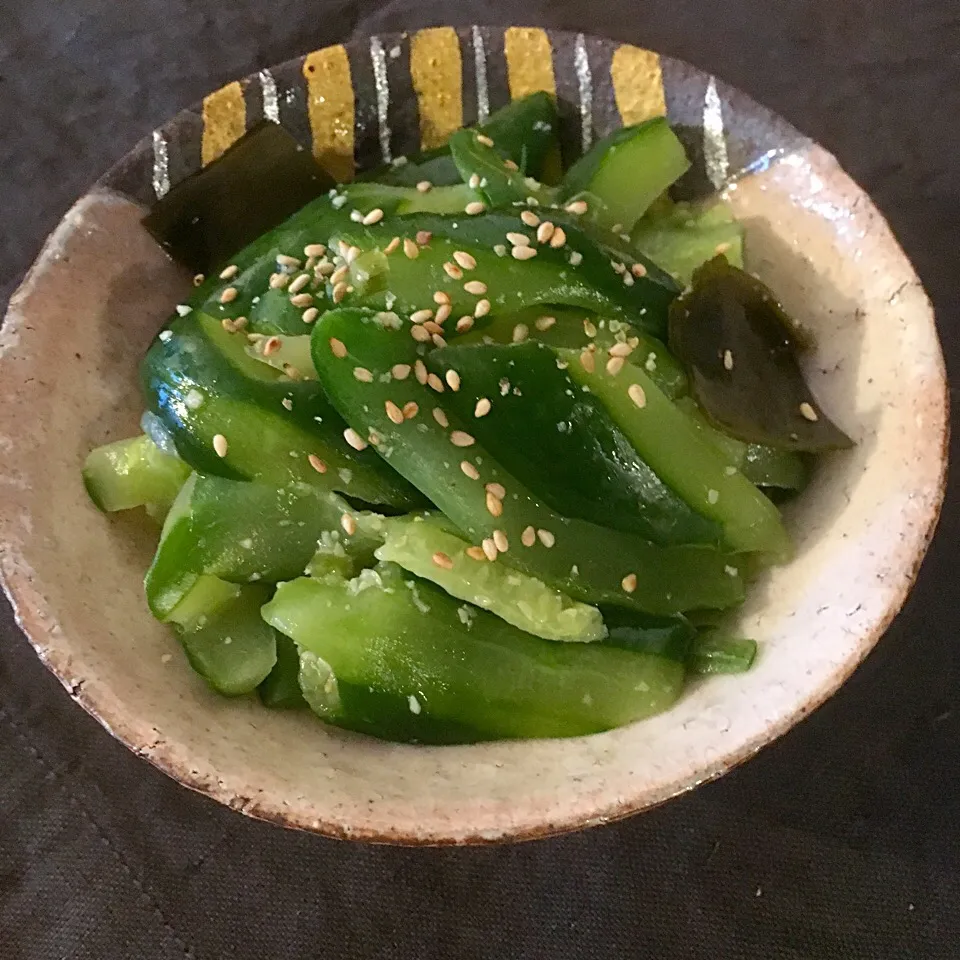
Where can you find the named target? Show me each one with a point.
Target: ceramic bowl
(76, 329)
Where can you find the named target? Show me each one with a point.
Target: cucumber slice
(622, 174)
(423, 547)
(280, 689)
(132, 473)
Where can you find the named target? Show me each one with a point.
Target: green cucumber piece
(717, 652)
(423, 547)
(280, 689)
(624, 173)
(406, 640)
(132, 473)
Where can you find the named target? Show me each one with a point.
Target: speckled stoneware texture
(101, 288)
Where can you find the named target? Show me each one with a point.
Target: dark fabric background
(842, 840)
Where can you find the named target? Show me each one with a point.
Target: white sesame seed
(419, 333)
(392, 245)
(722, 247)
(520, 333)
(228, 273)
(394, 413)
(628, 280)
(482, 308)
(198, 279)
(465, 260)
(352, 254)
(440, 417)
(484, 139)
(410, 248)
(636, 394)
(420, 372)
(287, 403)
(469, 470)
(529, 537)
(518, 239)
(489, 548)
(453, 380)
(362, 374)
(546, 538)
(400, 371)
(500, 249)
(544, 323)
(474, 207)
(410, 409)
(310, 315)
(476, 287)
(220, 445)
(713, 496)
(314, 250)
(420, 316)
(443, 312)
(298, 283)
(424, 186)
(229, 295)
(373, 437)
(545, 231)
(577, 207)
(349, 524)
(423, 237)
(587, 361)
(589, 328)
(497, 489)
(727, 360)
(286, 261)
(316, 463)
(523, 253)
(343, 247)
(464, 324)
(494, 505)
(302, 300)
(482, 408)
(442, 560)
(629, 582)
(339, 291)
(338, 348)
(615, 365)
(460, 438)
(808, 413)
(434, 382)
(500, 541)
(374, 216)
(356, 216)
(354, 439)
(474, 181)
(575, 258)
(618, 267)
(530, 218)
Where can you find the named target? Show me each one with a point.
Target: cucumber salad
(471, 448)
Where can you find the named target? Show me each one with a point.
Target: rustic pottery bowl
(79, 324)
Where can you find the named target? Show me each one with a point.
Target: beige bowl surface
(68, 355)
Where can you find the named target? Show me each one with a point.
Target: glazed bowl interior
(76, 330)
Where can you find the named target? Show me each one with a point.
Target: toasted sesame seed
(465, 260)
(518, 239)
(229, 295)
(618, 267)
(292, 372)
(228, 273)
(476, 287)
(432, 327)
(482, 308)
(438, 341)
(352, 254)
(476, 553)
(392, 245)
(621, 350)
(520, 333)
(343, 247)
(400, 371)
(523, 253)
(453, 380)
(434, 382)
(510, 164)
(545, 323)
(420, 372)
(419, 333)
(324, 269)
(545, 231)
(497, 489)
(636, 394)
(727, 360)
(302, 300)
(374, 216)
(587, 361)
(220, 445)
(286, 261)
(474, 181)
(239, 323)
(393, 411)
(546, 538)
(198, 279)
(529, 537)
(410, 248)
(410, 409)
(460, 438)
(339, 291)
(482, 408)
(500, 541)
(629, 582)
(362, 374)
(271, 345)
(443, 312)
(441, 296)
(419, 316)
(298, 283)
(577, 207)
(310, 315)
(423, 237)
(530, 218)
(489, 548)
(354, 439)
(559, 238)
(316, 463)
(494, 505)
(484, 139)
(469, 470)
(589, 328)
(474, 207)
(228, 325)
(338, 348)
(314, 250)
(339, 275)
(442, 560)
(808, 413)
(721, 248)
(464, 324)
(440, 417)
(349, 524)
(638, 270)
(373, 437)
(424, 186)
(615, 365)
